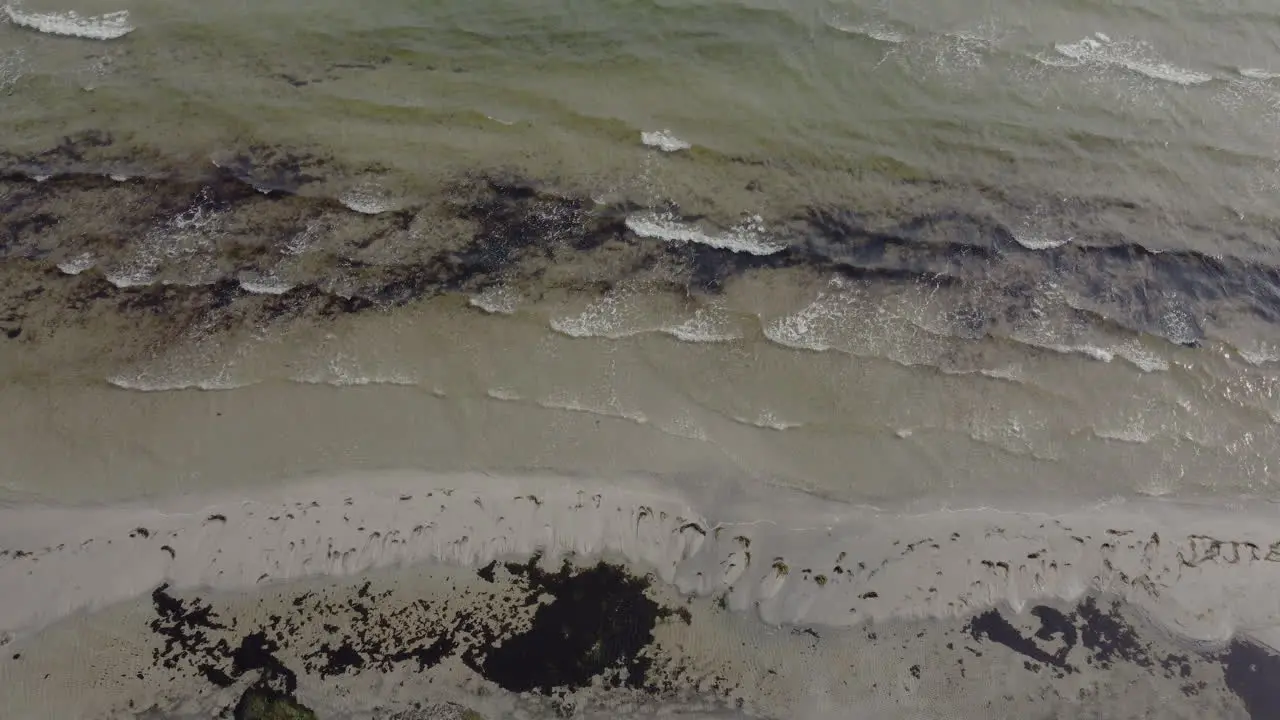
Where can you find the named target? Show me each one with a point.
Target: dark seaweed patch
(598, 623)
(579, 625)
(1107, 638)
(991, 625)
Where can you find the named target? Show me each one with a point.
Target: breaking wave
(109, 26)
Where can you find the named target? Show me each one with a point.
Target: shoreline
(1200, 572)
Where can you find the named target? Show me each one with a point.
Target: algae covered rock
(259, 703)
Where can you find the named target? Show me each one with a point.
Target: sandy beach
(1197, 577)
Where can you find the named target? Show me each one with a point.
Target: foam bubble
(664, 141)
(748, 236)
(1134, 56)
(110, 26)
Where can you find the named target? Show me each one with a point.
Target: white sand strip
(1204, 573)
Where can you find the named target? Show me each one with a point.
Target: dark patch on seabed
(492, 228)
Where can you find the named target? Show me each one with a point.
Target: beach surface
(1171, 596)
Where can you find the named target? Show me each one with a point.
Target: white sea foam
(141, 271)
(504, 394)
(151, 382)
(184, 240)
(571, 404)
(845, 318)
(875, 31)
(11, 65)
(1132, 352)
(1142, 358)
(708, 325)
(629, 311)
(768, 420)
(368, 199)
(1202, 572)
(749, 236)
(71, 24)
(304, 239)
(617, 315)
(1262, 355)
(264, 284)
(664, 140)
(342, 371)
(1258, 74)
(1133, 434)
(1010, 373)
(1037, 241)
(78, 264)
(1132, 55)
(497, 300)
